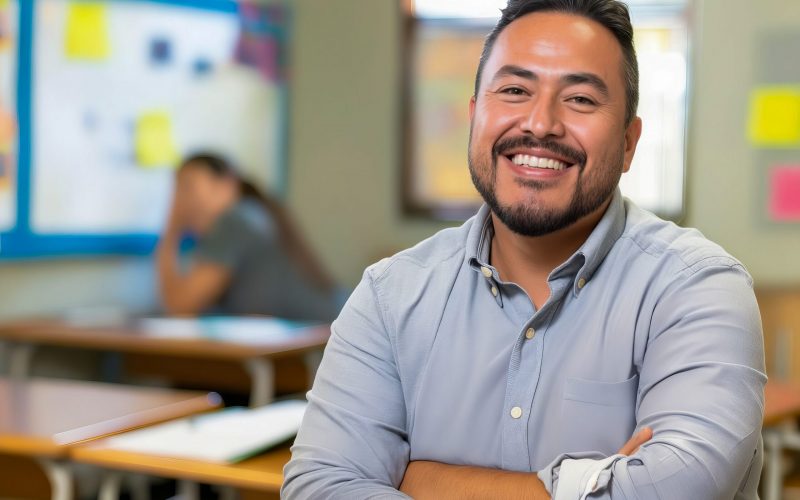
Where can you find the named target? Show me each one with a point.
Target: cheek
(492, 120)
(595, 134)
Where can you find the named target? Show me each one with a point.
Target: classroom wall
(57, 286)
(725, 174)
(344, 155)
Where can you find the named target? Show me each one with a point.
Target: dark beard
(532, 220)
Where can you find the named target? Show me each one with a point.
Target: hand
(638, 439)
(178, 213)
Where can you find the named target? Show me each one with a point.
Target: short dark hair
(612, 14)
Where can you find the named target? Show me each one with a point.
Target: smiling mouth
(530, 161)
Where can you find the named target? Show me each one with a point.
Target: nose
(543, 119)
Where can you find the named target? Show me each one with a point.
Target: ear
(471, 107)
(632, 135)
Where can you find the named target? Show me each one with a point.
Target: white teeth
(536, 162)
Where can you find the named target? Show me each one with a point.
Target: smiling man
(513, 357)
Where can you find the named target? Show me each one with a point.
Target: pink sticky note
(784, 193)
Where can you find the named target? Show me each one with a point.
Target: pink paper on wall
(784, 193)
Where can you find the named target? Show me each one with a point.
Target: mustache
(572, 155)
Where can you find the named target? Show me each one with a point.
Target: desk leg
(188, 490)
(109, 488)
(19, 364)
(228, 493)
(262, 386)
(62, 484)
(312, 360)
(773, 475)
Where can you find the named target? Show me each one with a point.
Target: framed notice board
(100, 100)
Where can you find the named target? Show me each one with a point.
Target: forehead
(557, 43)
(194, 172)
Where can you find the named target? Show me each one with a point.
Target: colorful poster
(8, 135)
(258, 45)
(9, 14)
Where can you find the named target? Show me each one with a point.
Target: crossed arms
(701, 393)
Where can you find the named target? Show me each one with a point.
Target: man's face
(548, 138)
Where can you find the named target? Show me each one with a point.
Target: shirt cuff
(575, 476)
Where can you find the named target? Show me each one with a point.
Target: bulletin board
(774, 130)
(112, 94)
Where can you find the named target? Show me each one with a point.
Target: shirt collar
(580, 266)
(479, 239)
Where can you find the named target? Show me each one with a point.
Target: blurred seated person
(249, 257)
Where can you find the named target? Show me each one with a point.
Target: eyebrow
(588, 79)
(569, 79)
(513, 70)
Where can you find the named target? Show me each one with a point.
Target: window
(444, 39)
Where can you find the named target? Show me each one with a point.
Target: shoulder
(247, 217)
(679, 250)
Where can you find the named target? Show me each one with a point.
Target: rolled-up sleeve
(353, 442)
(701, 390)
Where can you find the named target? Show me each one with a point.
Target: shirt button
(581, 283)
(494, 291)
(516, 412)
(530, 333)
(486, 271)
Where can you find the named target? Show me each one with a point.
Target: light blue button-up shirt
(434, 357)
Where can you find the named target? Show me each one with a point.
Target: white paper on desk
(226, 436)
(243, 330)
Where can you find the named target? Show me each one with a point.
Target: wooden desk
(781, 404)
(261, 473)
(134, 336)
(264, 473)
(43, 418)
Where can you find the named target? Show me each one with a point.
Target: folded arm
(700, 390)
(433, 480)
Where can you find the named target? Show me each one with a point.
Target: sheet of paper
(241, 330)
(784, 194)
(225, 436)
(154, 142)
(87, 31)
(775, 116)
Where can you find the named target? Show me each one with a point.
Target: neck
(529, 260)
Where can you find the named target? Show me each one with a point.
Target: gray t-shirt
(264, 279)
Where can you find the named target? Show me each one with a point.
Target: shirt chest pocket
(598, 416)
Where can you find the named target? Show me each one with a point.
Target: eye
(515, 91)
(582, 100)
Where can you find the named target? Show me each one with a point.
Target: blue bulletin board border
(21, 243)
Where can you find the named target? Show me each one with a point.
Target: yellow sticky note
(154, 142)
(775, 116)
(87, 31)
(4, 4)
